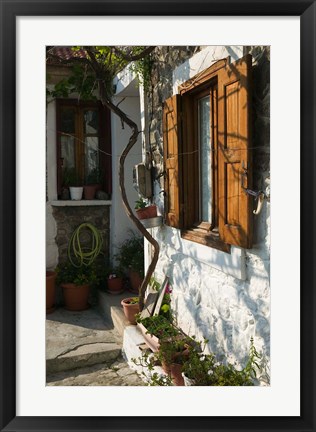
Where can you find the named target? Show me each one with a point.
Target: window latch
(258, 195)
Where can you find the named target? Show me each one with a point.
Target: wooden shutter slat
(171, 137)
(234, 103)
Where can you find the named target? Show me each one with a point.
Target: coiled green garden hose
(79, 255)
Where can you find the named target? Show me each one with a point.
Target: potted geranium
(131, 308)
(76, 283)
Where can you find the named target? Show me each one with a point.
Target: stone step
(79, 339)
(110, 308)
(83, 356)
(116, 374)
(133, 341)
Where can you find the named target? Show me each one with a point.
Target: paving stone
(79, 339)
(67, 330)
(97, 375)
(82, 349)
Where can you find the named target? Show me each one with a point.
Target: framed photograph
(219, 41)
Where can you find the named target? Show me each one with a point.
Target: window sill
(206, 239)
(233, 263)
(80, 203)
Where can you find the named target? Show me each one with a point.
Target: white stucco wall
(224, 298)
(120, 223)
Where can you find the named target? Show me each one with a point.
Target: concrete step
(110, 308)
(133, 341)
(116, 374)
(79, 339)
(83, 356)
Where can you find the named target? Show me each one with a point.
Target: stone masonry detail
(69, 218)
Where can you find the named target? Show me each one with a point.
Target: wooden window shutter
(171, 140)
(234, 158)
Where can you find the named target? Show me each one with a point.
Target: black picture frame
(9, 10)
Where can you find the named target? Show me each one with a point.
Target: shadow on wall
(225, 310)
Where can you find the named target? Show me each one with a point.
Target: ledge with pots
(73, 203)
(152, 222)
(148, 216)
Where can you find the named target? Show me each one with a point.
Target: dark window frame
(104, 135)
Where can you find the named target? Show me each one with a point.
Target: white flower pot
(76, 192)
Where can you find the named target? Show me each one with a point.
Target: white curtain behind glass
(205, 159)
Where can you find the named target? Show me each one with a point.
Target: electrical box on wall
(142, 180)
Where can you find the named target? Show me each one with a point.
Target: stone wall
(68, 218)
(64, 220)
(208, 302)
(165, 60)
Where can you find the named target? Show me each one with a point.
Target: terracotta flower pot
(115, 285)
(174, 370)
(76, 296)
(135, 280)
(176, 374)
(89, 192)
(50, 291)
(130, 309)
(147, 212)
(151, 341)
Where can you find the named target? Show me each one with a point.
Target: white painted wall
(120, 223)
(222, 297)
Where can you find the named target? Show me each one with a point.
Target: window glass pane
(91, 122)
(68, 120)
(68, 151)
(91, 157)
(205, 159)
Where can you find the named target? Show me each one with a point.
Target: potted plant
(198, 370)
(115, 281)
(131, 308)
(76, 283)
(50, 291)
(154, 329)
(144, 210)
(203, 370)
(131, 258)
(92, 184)
(69, 178)
(72, 180)
(173, 353)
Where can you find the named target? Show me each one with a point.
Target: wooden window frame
(104, 136)
(230, 86)
(191, 91)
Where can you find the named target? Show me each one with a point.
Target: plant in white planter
(75, 187)
(72, 182)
